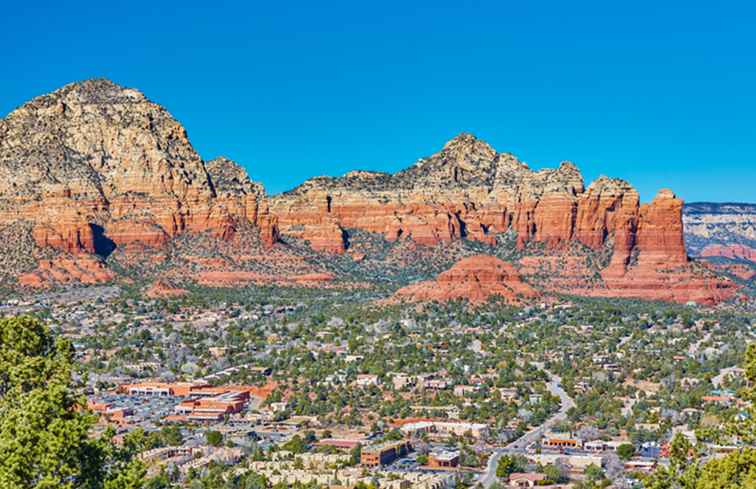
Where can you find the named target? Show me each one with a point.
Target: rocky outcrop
(476, 279)
(235, 278)
(63, 270)
(660, 231)
(95, 163)
(467, 190)
(239, 199)
(650, 261)
(671, 284)
(94, 167)
(609, 209)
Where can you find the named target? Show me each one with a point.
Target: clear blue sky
(661, 95)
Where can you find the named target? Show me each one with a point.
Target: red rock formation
(313, 278)
(660, 269)
(66, 236)
(228, 278)
(609, 208)
(743, 272)
(62, 270)
(133, 233)
(97, 154)
(326, 235)
(674, 284)
(467, 190)
(660, 231)
(574, 275)
(475, 278)
(234, 278)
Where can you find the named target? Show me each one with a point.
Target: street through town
(518, 446)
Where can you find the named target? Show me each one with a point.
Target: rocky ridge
(468, 190)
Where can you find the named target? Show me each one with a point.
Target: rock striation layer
(95, 165)
(470, 191)
(467, 190)
(475, 278)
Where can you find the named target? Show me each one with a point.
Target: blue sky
(661, 95)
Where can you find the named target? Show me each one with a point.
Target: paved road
(519, 445)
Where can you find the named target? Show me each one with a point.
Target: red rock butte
(94, 164)
(475, 278)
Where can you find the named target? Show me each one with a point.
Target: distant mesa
(721, 231)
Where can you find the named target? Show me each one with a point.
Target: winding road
(554, 385)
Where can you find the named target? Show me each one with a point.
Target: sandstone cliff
(470, 191)
(95, 165)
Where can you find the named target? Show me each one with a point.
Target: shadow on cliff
(103, 245)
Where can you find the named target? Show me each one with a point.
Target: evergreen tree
(44, 426)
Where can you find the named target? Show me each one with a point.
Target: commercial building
(109, 412)
(384, 453)
(561, 443)
(193, 389)
(213, 408)
(163, 389)
(445, 428)
(340, 443)
(443, 460)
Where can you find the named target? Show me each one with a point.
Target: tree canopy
(45, 440)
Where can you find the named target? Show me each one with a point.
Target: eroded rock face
(97, 158)
(475, 278)
(95, 166)
(465, 190)
(240, 199)
(660, 231)
(468, 190)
